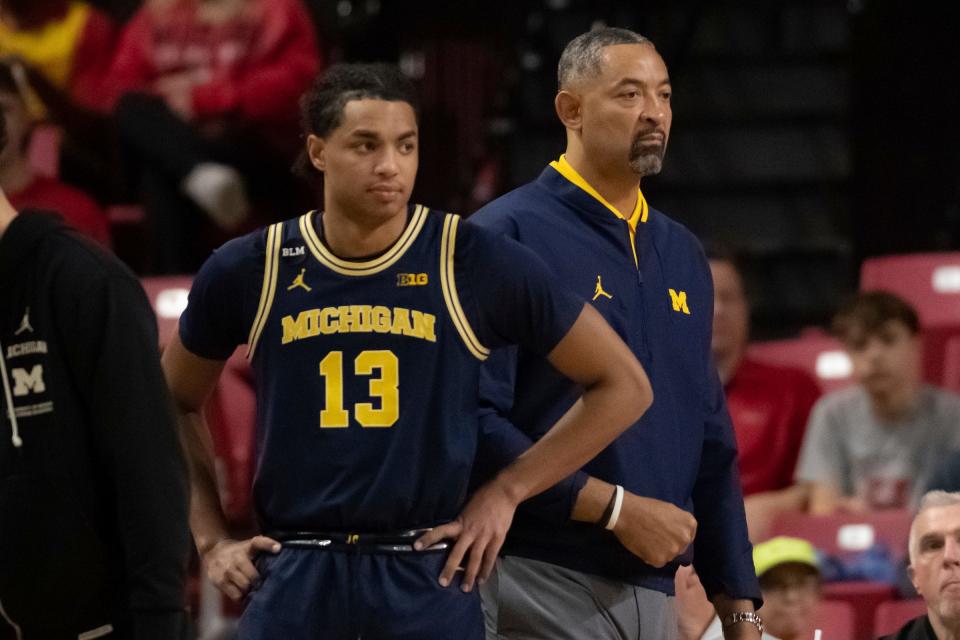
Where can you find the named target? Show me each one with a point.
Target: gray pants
(531, 600)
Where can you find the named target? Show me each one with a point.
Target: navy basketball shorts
(350, 595)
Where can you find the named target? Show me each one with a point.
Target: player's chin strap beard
(8, 396)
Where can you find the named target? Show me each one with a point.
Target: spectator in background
(66, 43)
(876, 444)
(789, 580)
(27, 190)
(769, 405)
(63, 48)
(935, 568)
(208, 112)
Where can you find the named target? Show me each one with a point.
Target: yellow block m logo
(679, 300)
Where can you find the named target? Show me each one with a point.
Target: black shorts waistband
(394, 542)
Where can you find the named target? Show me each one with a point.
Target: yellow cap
(780, 550)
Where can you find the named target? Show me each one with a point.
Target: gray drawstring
(16, 628)
(15, 438)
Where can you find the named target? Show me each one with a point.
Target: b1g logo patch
(412, 279)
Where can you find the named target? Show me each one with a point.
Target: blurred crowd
(188, 111)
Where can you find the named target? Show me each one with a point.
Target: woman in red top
(207, 96)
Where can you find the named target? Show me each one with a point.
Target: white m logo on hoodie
(24, 383)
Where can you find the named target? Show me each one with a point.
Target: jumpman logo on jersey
(298, 282)
(25, 323)
(598, 291)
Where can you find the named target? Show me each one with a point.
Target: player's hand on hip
(655, 531)
(479, 531)
(229, 564)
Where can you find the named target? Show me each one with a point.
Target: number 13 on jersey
(384, 387)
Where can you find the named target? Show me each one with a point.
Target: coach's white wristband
(615, 514)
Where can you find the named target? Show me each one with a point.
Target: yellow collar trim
(640, 211)
(368, 267)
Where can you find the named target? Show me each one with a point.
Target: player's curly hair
(321, 107)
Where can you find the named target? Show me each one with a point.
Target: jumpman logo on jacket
(598, 291)
(25, 323)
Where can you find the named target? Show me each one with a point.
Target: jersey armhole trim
(448, 285)
(271, 264)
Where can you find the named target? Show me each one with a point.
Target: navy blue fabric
(306, 594)
(682, 450)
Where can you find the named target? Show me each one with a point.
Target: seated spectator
(208, 113)
(27, 190)
(63, 48)
(67, 43)
(935, 568)
(769, 405)
(876, 444)
(790, 583)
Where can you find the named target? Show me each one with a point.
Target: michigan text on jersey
(360, 318)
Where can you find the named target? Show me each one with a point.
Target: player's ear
(568, 109)
(316, 148)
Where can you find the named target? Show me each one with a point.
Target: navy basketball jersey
(368, 373)
(367, 370)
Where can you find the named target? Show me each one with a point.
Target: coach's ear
(316, 148)
(568, 109)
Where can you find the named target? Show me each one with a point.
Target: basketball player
(366, 325)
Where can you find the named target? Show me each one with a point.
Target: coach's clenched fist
(229, 564)
(654, 530)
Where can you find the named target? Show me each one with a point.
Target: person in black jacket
(935, 568)
(93, 487)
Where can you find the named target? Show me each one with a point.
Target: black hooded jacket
(93, 488)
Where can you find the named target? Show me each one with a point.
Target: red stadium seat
(890, 616)
(835, 619)
(863, 598)
(931, 283)
(817, 353)
(849, 532)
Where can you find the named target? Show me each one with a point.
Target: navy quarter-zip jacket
(682, 450)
